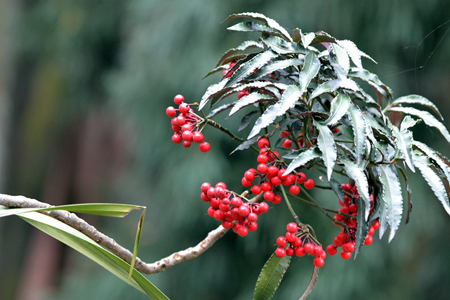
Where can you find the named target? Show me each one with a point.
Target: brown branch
(81, 225)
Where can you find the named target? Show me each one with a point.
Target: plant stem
(297, 220)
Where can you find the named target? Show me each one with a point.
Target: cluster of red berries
(184, 124)
(226, 72)
(227, 207)
(298, 242)
(271, 174)
(346, 238)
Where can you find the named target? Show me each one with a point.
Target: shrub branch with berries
(313, 116)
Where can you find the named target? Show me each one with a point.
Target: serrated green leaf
(245, 145)
(322, 37)
(267, 21)
(408, 122)
(428, 118)
(336, 187)
(332, 85)
(392, 197)
(363, 228)
(359, 130)
(275, 66)
(356, 173)
(92, 250)
(270, 277)
(281, 46)
(251, 26)
(434, 155)
(373, 80)
(247, 47)
(307, 39)
(409, 192)
(416, 99)
(404, 141)
(433, 180)
(249, 67)
(325, 141)
(352, 50)
(304, 157)
(215, 70)
(247, 119)
(310, 69)
(339, 107)
(290, 96)
(220, 109)
(341, 57)
(249, 100)
(210, 91)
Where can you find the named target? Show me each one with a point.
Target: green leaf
(310, 70)
(249, 67)
(435, 156)
(280, 46)
(404, 141)
(211, 91)
(332, 85)
(249, 100)
(373, 80)
(434, 181)
(426, 117)
(274, 66)
(136, 245)
(416, 99)
(290, 96)
(363, 228)
(337, 189)
(356, 173)
(247, 47)
(215, 70)
(408, 190)
(307, 39)
(341, 57)
(383, 220)
(251, 26)
(322, 37)
(353, 51)
(220, 109)
(247, 119)
(270, 277)
(267, 21)
(392, 197)
(339, 107)
(408, 122)
(245, 145)
(304, 157)
(359, 130)
(99, 209)
(325, 141)
(92, 250)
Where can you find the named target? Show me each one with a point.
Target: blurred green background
(83, 90)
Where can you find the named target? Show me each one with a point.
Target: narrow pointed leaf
(404, 141)
(270, 277)
(247, 119)
(287, 101)
(274, 66)
(251, 26)
(136, 245)
(216, 70)
(325, 141)
(332, 85)
(341, 57)
(392, 197)
(353, 51)
(359, 130)
(245, 145)
(339, 107)
(220, 109)
(249, 100)
(310, 69)
(408, 122)
(433, 180)
(267, 21)
(383, 220)
(416, 99)
(356, 173)
(247, 47)
(303, 158)
(434, 155)
(92, 250)
(210, 91)
(373, 80)
(279, 45)
(408, 190)
(428, 118)
(363, 228)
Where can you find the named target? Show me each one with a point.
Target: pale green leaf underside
(327, 146)
(357, 174)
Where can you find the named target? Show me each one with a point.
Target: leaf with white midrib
(303, 158)
(359, 130)
(274, 66)
(327, 146)
(339, 106)
(363, 228)
(310, 69)
(404, 141)
(248, 100)
(270, 277)
(220, 109)
(416, 99)
(392, 196)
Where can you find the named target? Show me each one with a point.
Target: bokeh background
(83, 90)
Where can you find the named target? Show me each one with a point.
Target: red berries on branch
(184, 124)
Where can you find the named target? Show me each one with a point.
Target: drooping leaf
(274, 66)
(136, 245)
(408, 190)
(416, 99)
(332, 85)
(287, 101)
(270, 277)
(373, 80)
(247, 119)
(392, 197)
(383, 220)
(220, 109)
(247, 47)
(245, 145)
(339, 107)
(325, 141)
(404, 141)
(267, 21)
(352, 50)
(359, 130)
(354, 172)
(92, 250)
(250, 66)
(434, 181)
(435, 156)
(428, 118)
(251, 26)
(249, 100)
(310, 69)
(304, 157)
(281, 46)
(341, 57)
(408, 122)
(363, 228)
(216, 70)
(210, 91)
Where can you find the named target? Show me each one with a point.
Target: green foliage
(270, 277)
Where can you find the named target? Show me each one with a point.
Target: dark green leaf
(404, 141)
(245, 145)
(267, 21)
(435, 156)
(333, 85)
(363, 228)
(416, 99)
(250, 99)
(392, 197)
(210, 91)
(426, 117)
(270, 277)
(339, 107)
(325, 141)
(215, 70)
(251, 26)
(290, 96)
(408, 190)
(274, 66)
(304, 157)
(247, 47)
(373, 80)
(310, 70)
(337, 189)
(220, 109)
(281, 46)
(322, 37)
(247, 119)
(359, 130)
(356, 173)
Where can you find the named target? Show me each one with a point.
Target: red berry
(297, 243)
(287, 144)
(262, 143)
(348, 247)
(246, 182)
(219, 215)
(345, 255)
(176, 138)
(263, 207)
(274, 155)
(331, 249)
(205, 197)
(294, 190)
(262, 159)
(309, 248)
(242, 94)
(252, 217)
(273, 171)
(301, 177)
(256, 189)
(204, 147)
(178, 99)
(170, 111)
(368, 240)
(281, 242)
(276, 181)
(285, 134)
(236, 202)
(235, 213)
(317, 250)
(371, 230)
(249, 175)
(180, 120)
(176, 128)
(262, 168)
(319, 262)
(309, 184)
(252, 226)
(184, 108)
(242, 231)
(244, 210)
(198, 137)
(277, 199)
(280, 252)
(300, 251)
(352, 208)
(187, 126)
(188, 136)
(292, 227)
(227, 224)
(225, 73)
(290, 251)
(214, 202)
(266, 186)
(269, 196)
(376, 224)
(290, 237)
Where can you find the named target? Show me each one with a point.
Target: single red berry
(336, 130)
(331, 249)
(235, 213)
(244, 210)
(263, 207)
(221, 184)
(186, 144)
(178, 99)
(290, 251)
(256, 189)
(274, 155)
(227, 224)
(176, 138)
(181, 120)
(211, 192)
(205, 197)
(269, 196)
(219, 215)
(294, 189)
(252, 217)
(345, 255)
(262, 159)
(245, 182)
(276, 199)
(281, 242)
(262, 143)
(280, 252)
(214, 202)
(188, 136)
(297, 243)
(249, 175)
(300, 251)
(198, 137)
(211, 211)
(224, 207)
(376, 224)
(290, 237)
(352, 208)
(262, 168)
(285, 134)
(184, 108)
(176, 128)
(252, 226)
(266, 186)
(371, 230)
(323, 254)
(170, 111)
(368, 240)
(292, 227)
(204, 147)
(348, 247)
(242, 231)
(309, 248)
(276, 181)
(242, 94)
(273, 171)
(236, 202)
(289, 180)
(319, 261)
(225, 73)
(309, 184)
(187, 126)
(287, 144)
